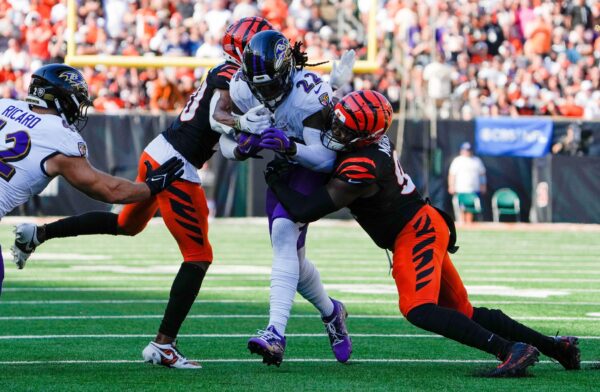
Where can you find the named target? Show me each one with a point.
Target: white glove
(341, 71)
(254, 120)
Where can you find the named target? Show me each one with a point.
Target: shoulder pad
(356, 170)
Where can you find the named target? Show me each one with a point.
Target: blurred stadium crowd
(465, 58)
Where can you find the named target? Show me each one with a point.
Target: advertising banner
(516, 137)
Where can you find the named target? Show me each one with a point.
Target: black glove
(277, 170)
(161, 177)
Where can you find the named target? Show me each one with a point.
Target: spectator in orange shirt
(165, 96)
(38, 38)
(570, 108)
(539, 37)
(276, 12)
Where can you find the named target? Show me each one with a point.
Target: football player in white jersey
(40, 140)
(183, 205)
(272, 75)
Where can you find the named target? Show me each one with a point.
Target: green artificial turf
(77, 317)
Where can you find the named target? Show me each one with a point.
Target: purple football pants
(302, 180)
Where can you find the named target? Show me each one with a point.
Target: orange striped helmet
(238, 34)
(359, 119)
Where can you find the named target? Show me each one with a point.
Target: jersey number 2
(19, 150)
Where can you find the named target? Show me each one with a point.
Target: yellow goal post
(361, 66)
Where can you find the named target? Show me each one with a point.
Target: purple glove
(275, 139)
(248, 144)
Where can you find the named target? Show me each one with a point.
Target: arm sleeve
(241, 95)
(214, 124)
(314, 155)
(227, 145)
(301, 207)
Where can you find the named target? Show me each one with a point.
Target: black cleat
(520, 357)
(567, 352)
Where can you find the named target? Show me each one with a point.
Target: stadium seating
(505, 201)
(469, 202)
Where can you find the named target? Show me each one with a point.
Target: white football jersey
(27, 140)
(309, 95)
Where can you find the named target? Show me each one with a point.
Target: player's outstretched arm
(109, 189)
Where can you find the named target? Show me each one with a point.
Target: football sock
(456, 326)
(498, 322)
(311, 287)
(96, 222)
(184, 290)
(284, 273)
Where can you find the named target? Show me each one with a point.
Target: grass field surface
(77, 317)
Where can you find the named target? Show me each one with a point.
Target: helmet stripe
(369, 103)
(383, 106)
(248, 31)
(359, 108)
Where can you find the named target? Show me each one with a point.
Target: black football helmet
(268, 67)
(63, 88)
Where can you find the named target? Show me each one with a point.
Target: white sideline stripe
(265, 278)
(595, 317)
(255, 301)
(233, 288)
(212, 335)
(297, 360)
(233, 335)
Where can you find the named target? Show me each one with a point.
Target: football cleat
(167, 355)
(519, 358)
(25, 243)
(567, 352)
(335, 325)
(269, 344)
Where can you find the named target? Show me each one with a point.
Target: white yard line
(287, 360)
(364, 279)
(216, 288)
(550, 277)
(231, 336)
(595, 317)
(256, 301)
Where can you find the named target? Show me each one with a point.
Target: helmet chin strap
(62, 115)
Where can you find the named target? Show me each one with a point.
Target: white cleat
(25, 243)
(167, 355)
